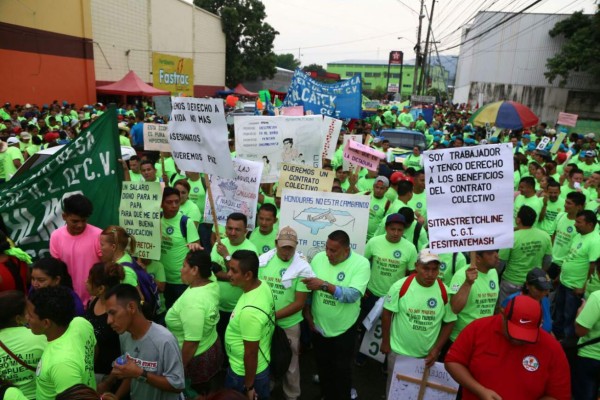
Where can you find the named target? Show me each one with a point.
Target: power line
(339, 43)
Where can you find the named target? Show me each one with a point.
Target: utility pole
(421, 87)
(418, 48)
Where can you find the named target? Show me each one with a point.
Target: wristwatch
(143, 377)
(324, 287)
(227, 258)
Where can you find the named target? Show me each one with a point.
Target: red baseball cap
(523, 316)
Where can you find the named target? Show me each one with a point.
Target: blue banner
(338, 100)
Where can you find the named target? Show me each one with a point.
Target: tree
(286, 61)
(581, 50)
(316, 68)
(249, 40)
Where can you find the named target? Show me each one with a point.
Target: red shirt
(7, 279)
(524, 372)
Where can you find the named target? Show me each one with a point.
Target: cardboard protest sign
(314, 215)
(345, 163)
(198, 136)
(340, 100)
(276, 140)
(331, 133)
(371, 343)
(31, 202)
(410, 375)
(301, 177)
(156, 137)
(543, 143)
(163, 105)
(139, 215)
(559, 139)
(470, 198)
(362, 155)
(239, 194)
(567, 119)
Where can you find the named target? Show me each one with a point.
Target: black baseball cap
(539, 278)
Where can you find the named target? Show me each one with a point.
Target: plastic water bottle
(121, 360)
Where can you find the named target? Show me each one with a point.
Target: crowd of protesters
(93, 321)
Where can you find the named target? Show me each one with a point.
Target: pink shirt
(79, 252)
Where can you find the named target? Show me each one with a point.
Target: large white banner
(198, 136)
(239, 194)
(276, 140)
(314, 215)
(470, 198)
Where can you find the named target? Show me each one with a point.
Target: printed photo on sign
(314, 215)
(276, 140)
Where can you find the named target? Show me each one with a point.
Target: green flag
(31, 203)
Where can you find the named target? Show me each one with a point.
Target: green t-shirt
(135, 177)
(124, 141)
(585, 249)
(412, 161)
(531, 245)
(250, 324)
(332, 317)
(421, 125)
(12, 393)
(229, 293)
(130, 275)
(198, 195)
(588, 169)
(590, 318)
(157, 271)
(409, 234)
(2, 157)
(174, 246)
(533, 202)
(396, 205)
(377, 210)
(67, 361)
(418, 203)
(29, 347)
(12, 153)
(365, 184)
(418, 317)
(271, 274)
(563, 234)
(264, 243)
(548, 225)
(389, 262)
(190, 209)
(405, 119)
(391, 194)
(447, 269)
(389, 118)
(170, 168)
(481, 301)
(194, 316)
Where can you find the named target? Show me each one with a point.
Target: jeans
(261, 383)
(172, 293)
(334, 363)
(566, 303)
(586, 379)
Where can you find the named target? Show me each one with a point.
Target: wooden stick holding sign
(213, 209)
(423, 386)
(432, 385)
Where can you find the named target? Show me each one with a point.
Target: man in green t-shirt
(13, 158)
(342, 278)
(263, 238)
(134, 169)
(390, 117)
(527, 197)
(379, 204)
(587, 365)
(281, 268)
(248, 336)
(175, 244)
(416, 320)
(405, 119)
(532, 248)
(418, 201)
(578, 267)
(474, 291)
(69, 356)
(552, 205)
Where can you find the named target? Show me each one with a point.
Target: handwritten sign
(156, 137)
(567, 119)
(371, 343)
(331, 133)
(543, 143)
(139, 215)
(362, 155)
(470, 198)
(302, 177)
(345, 163)
(198, 136)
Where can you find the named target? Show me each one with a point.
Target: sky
(321, 31)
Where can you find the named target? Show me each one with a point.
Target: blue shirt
(546, 315)
(137, 134)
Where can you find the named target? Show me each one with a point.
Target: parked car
(402, 143)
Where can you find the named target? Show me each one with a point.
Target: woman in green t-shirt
(117, 246)
(193, 321)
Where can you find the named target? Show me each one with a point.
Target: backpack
(409, 280)
(148, 289)
(281, 350)
(14, 267)
(183, 226)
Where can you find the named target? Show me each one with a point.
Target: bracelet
(248, 389)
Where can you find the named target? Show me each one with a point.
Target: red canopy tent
(242, 91)
(132, 85)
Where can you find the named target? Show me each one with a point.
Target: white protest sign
(139, 215)
(470, 198)
(156, 137)
(543, 143)
(567, 119)
(407, 378)
(357, 138)
(314, 215)
(198, 136)
(239, 194)
(331, 133)
(301, 177)
(275, 140)
(363, 155)
(371, 343)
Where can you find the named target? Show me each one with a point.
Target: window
(349, 73)
(368, 74)
(408, 86)
(376, 74)
(395, 75)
